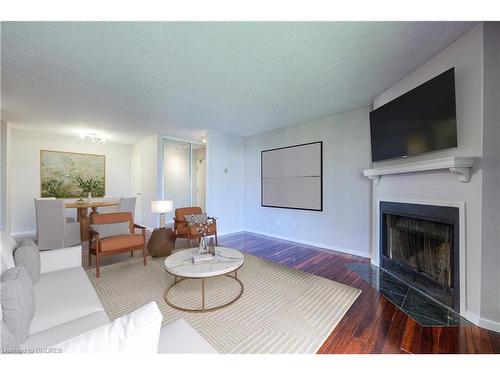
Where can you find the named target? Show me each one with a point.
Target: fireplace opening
(419, 244)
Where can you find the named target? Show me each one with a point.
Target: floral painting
(71, 175)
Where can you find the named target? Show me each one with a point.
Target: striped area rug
(282, 310)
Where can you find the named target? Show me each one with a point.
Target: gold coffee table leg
(178, 280)
(203, 294)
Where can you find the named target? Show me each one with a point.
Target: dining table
(83, 216)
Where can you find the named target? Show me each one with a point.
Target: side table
(162, 242)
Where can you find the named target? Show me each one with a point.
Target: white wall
(344, 224)
(23, 162)
(490, 268)
(466, 55)
(3, 172)
(147, 149)
(225, 180)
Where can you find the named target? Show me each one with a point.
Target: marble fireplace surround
(462, 237)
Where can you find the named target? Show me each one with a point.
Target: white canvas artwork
(292, 177)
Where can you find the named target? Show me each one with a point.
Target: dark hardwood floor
(373, 324)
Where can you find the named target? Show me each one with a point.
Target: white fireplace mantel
(459, 165)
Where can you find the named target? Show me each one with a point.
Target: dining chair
(53, 229)
(127, 204)
(104, 210)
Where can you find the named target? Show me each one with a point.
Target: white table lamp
(162, 207)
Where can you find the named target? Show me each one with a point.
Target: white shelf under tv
(459, 165)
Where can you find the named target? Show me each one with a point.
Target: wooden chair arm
(141, 227)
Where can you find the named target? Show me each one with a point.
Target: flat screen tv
(422, 120)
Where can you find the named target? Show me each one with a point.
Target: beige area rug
(282, 310)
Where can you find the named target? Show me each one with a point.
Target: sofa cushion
(132, 241)
(179, 337)
(63, 296)
(27, 256)
(7, 247)
(135, 333)
(63, 332)
(18, 303)
(112, 229)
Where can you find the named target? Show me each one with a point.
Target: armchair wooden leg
(144, 254)
(216, 240)
(131, 254)
(97, 265)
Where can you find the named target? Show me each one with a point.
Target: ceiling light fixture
(204, 140)
(92, 137)
(182, 147)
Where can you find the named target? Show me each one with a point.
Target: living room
(250, 187)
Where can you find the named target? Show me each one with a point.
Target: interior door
(136, 186)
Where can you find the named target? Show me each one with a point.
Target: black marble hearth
(426, 311)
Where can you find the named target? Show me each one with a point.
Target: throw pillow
(111, 230)
(7, 341)
(28, 256)
(18, 302)
(27, 242)
(196, 219)
(137, 332)
(3, 266)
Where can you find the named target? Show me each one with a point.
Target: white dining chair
(127, 204)
(107, 209)
(54, 231)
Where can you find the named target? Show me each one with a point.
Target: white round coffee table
(181, 266)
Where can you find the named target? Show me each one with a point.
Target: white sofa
(66, 304)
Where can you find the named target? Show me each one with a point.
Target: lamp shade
(160, 207)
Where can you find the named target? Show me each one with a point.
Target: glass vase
(202, 247)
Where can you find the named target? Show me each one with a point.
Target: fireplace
(420, 245)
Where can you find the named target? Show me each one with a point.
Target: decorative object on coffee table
(203, 230)
(162, 242)
(211, 246)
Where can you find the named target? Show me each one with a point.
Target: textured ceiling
(131, 79)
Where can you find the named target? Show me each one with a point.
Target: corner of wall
(3, 174)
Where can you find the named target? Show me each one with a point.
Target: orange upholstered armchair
(114, 233)
(183, 229)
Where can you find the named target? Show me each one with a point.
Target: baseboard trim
(489, 324)
(309, 243)
(232, 231)
(482, 322)
(471, 317)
